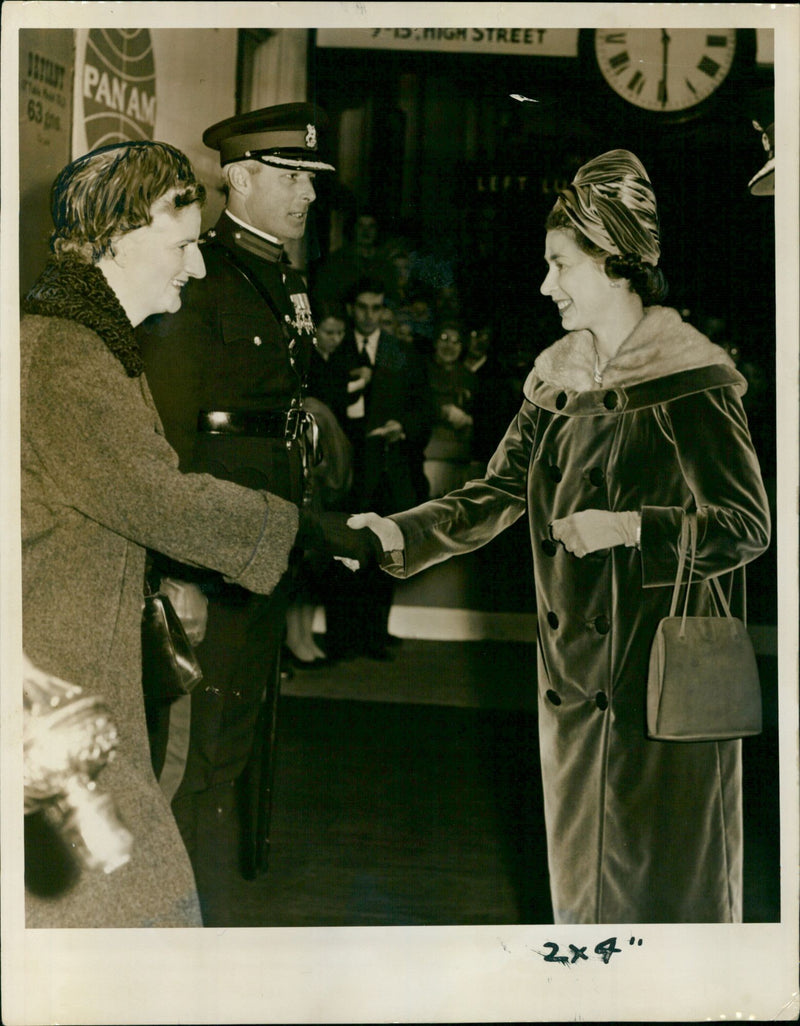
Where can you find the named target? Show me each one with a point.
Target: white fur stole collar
(662, 343)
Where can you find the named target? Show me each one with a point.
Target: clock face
(665, 70)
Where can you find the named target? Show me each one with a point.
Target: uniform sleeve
(470, 517)
(95, 438)
(721, 470)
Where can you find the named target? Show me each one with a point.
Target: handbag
(170, 667)
(703, 680)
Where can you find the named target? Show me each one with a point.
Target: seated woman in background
(449, 451)
(100, 485)
(326, 382)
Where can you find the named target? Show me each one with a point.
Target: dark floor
(416, 813)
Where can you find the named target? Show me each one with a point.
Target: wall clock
(670, 72)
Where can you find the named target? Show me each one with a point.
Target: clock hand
(662, 85)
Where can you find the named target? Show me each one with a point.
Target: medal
(303, 321)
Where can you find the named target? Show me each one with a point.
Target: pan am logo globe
(119, 86)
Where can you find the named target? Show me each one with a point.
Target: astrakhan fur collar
(70, 288)
(662, 343)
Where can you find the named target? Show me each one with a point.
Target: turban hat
(611, 201)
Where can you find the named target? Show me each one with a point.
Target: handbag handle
(682, 547)
(688, 542)
(691, 518)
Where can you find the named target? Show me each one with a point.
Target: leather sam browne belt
(288, 425)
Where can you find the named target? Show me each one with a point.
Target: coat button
(601, 700)
(602, 625)
(549, 547)
(610, 400)
(554, 472)
(553, 698)
(561, 400)
(596, 476)
(552, 619)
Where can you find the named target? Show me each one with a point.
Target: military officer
(227, 377)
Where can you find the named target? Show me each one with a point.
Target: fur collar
(70, 288)
(662, 343)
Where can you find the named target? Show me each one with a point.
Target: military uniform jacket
(241, 341)
(638, 830)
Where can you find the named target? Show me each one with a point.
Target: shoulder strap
(240, 267)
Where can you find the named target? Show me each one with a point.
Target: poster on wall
(46, 61)
(115, 95)
(172, 71)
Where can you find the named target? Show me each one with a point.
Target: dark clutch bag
(170, 667)
(703, 683)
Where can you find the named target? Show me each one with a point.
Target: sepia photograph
(400, 539)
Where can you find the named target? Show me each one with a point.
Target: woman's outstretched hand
(389, 534)
(593, 529)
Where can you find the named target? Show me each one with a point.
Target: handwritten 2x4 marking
(604, 950)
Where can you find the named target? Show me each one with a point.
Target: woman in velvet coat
(100, 485)
(629, 421)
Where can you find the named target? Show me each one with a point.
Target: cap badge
(311, 137)
(303, 321)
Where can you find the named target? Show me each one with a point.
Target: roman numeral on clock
(708, 66)
(636, 84)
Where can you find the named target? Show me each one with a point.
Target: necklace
(598, 374)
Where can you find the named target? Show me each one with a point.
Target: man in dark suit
(388, 420)
(227, 376)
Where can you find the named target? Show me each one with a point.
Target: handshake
(329, 535)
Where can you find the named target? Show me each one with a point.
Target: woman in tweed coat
(629, 421)
(100, 484)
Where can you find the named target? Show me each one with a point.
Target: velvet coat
(638, 830)
(100, 484)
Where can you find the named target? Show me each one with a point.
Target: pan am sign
(118, 86)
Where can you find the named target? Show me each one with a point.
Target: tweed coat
(100, 484)
(638, 830)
